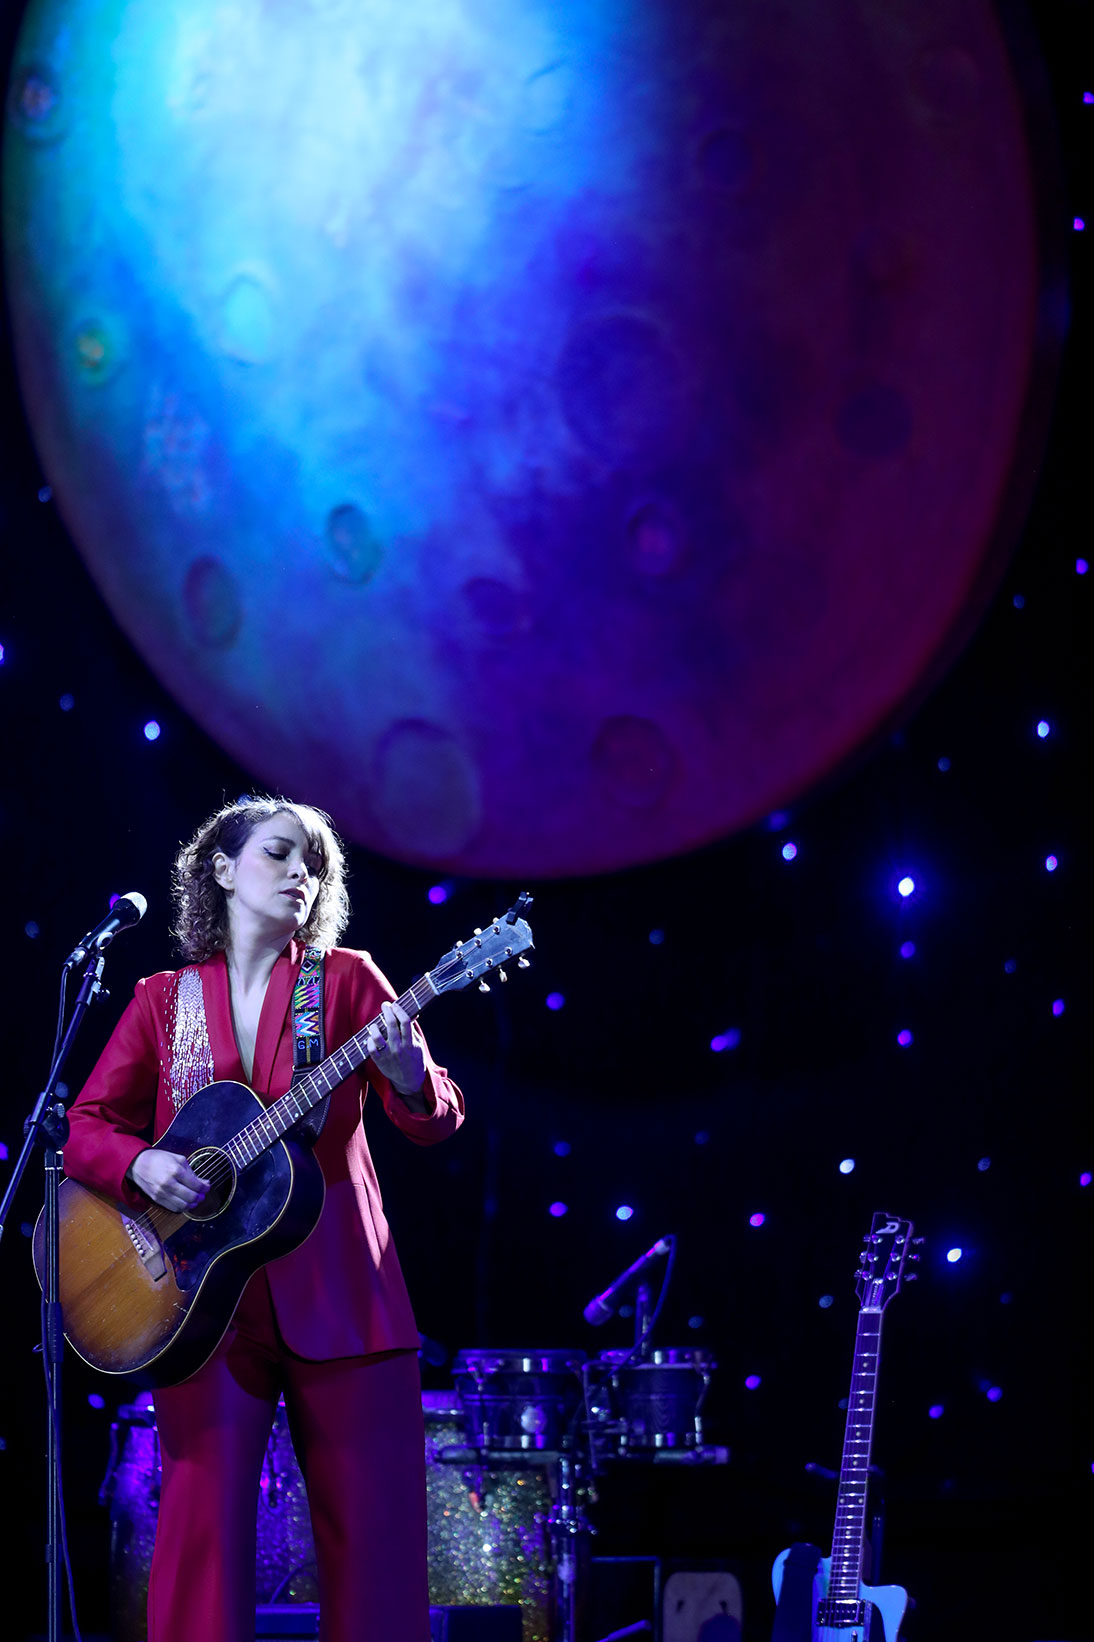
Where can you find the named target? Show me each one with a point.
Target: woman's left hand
(396, 1052)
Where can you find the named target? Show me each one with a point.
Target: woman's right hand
(167, 1179)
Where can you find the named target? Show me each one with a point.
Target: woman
(329, 1326)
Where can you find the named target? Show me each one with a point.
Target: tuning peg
(912, 1257)
(916, 1241)
(524, 963)
(911, 1276)
(483, 987)
(476, 932)
(502, 976)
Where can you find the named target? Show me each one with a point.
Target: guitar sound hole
(214, 1166)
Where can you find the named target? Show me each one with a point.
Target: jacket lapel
(273, 1020)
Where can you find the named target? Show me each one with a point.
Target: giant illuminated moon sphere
(549, 434)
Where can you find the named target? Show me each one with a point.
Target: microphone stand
(47, 1128)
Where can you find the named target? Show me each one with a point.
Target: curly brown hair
(201, 909)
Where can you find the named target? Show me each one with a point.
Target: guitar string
(152, 1218)
(223, 1172)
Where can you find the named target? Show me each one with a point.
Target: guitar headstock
(486, 951)
(885, 1253)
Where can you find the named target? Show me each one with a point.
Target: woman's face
(272, 883)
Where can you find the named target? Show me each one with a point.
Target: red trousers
(357, 1428)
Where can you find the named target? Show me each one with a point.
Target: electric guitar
(150, 1293)
(842, 1606)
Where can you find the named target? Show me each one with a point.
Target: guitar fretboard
(848, 1537)
(279, 1118)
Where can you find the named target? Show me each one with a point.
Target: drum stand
(570, 1533)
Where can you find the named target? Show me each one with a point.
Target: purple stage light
(562, 1148)
(1019, 601)
(825, 1301)
(789, 851)
(725, 1040)
(906, 887)
(904, 1038)
(1043, 727)
(1081, 567)
(936, 1411)
(1088, 96)
(67, 703)
(95, 1400)
(1011, 966)
(2, 655)
(756, 1219)
(624, 1212)
(1078, 224)
(1051, 863)
(943, 764)
(907, 949)
(696, 1322)
(152, 730)
(657, 937)
(31, 930)
(983, 1164)
(847, 1166)
(752, 1381)
(954, 1255)
(1005, 1298)
(994, 1393)
(438, 895)
(1058, 1006)
(46, 493)
(557, 1210)
(1085, 1178)
(555, 1000)
(3, 1152)
(702, 1136)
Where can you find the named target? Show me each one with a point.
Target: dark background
(989, 1505)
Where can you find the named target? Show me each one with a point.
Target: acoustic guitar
(150, 1293)
(841, 1607)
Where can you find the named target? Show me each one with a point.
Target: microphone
(603, 1306)
(127, 909)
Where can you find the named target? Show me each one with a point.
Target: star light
(1051, 863)
(1058, 1006)
(907, 949)
(557, 1210)
(66, 703)
(847, 1166)
(1085, 1178)
(624, 1212)
(994, 1393)
(152, 730)
(954, 1255)
(904, 1038)
(1043, 727)
(437, 894)
(936, 1411)
(983, 1164)
(1081, 567)
(906, 887)
(825, 1301)
(789, 851)
(756, 1219)
(725, 1040)
(752, 1381)
(562, 1148)
(555, 1000)
(657, 937)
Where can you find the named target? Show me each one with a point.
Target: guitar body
(151, 1294)
(889, 1601)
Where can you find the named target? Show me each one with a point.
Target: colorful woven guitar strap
(307, 1012)
(308, 1044)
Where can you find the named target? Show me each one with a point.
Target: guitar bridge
(148, 1248)
(841, 1613)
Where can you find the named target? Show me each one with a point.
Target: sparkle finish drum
(489, 1538)
(519, 1401)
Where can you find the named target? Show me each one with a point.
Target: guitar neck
(849, 1534)
(279, 1118)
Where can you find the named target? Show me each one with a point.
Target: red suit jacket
(341, 1293)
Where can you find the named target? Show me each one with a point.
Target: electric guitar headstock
(886, 1252)
(486, 951)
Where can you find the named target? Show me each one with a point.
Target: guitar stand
(47, 1128)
